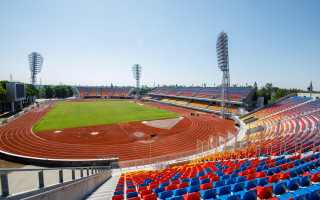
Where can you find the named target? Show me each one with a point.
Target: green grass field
(78, 114)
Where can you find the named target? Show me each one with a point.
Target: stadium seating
(189, 92)
(117, 92)
(126, 91)
(82, 91)
(208, 93)
(165, 184)
(107, 91)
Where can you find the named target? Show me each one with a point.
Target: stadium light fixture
(35, 66)
(136, 69)
(223, 64)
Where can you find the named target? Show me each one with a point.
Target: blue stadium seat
(180, 192)
(208, 194)
(271, 172)
(119, 186)
(293, 183)
(196, 182)
(184, 180)
(165, 194)
(263, 181)
(251, 184)
(194, 188)
(131, 186)
(248, 194)
(231, 181)
(118, 192)
(286, 196)
(230, 197)
(158, 190)
(219, 183)
(241, 179)
(142, 184)
(164, 184)
(314, 192)
(206, 180)
(237, 187)
(279, 188)
(223, 190)
(175, 198)
(132, 194)
(305, 181)
(301, 194)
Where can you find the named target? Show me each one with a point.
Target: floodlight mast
(136, 69)
(223, 64)
(35, 66)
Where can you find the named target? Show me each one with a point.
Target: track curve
(17, 137)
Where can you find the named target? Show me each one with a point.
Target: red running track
(128, 140)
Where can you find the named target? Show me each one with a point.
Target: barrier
(81, 183)
(21, 113)
(9, 119)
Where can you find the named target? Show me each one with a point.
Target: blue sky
(97, 42)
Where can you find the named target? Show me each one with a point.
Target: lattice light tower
(136, 69)
(35, 66)
(223, 64)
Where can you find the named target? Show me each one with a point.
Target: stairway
(105, 191)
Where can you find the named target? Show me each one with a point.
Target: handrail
(45, 169)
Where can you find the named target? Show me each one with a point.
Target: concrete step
(105, 191)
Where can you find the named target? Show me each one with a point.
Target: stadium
(172, 141)
(259, 154)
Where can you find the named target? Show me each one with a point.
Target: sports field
(78, 114)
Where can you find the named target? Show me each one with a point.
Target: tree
(279, 94)
(70, 89)
(64, 92)
(57, 91)
(31, 90)
(49, 92)
(3, 94)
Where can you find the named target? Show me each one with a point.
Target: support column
(12, 107)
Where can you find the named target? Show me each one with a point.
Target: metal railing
(45, 177)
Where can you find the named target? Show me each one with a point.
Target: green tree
(57, 91)
(3, 84)
(71, 91)
(49, 92)
(279, 94)
(3, 94)
(64, 92)
(31, 90)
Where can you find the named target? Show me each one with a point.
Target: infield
(79, 114)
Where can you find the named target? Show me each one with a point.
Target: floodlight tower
(35, 65)
(223, 64)
(136, 69)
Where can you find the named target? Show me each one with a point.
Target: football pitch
(79, 114)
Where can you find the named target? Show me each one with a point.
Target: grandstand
(246, 176)
(102, 92)
(205, 99)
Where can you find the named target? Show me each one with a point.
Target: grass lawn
(78, 114)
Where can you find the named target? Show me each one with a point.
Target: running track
(17, 137)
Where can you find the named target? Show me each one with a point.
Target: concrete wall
(55, 163)
(313, 95)
(73, 190)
